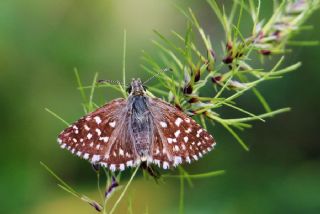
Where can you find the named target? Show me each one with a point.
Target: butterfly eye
(145, 87)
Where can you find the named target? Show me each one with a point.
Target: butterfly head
(136, 87)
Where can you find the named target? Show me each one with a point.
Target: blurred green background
(40, 44)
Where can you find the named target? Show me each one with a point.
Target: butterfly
(140, 129)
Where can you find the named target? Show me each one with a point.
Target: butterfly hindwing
(178, 138)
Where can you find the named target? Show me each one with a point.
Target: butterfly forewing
(101, 136)
(178, 138)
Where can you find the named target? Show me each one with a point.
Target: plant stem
(124, 191)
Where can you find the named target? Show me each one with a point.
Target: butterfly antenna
(111, 82)
(157, 74)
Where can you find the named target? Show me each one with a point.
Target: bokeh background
(40, 44)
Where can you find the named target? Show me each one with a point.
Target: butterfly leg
(151, 170)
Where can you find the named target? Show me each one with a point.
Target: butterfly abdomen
(141, 124)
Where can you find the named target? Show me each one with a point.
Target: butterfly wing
(102, 137)
(177, 137)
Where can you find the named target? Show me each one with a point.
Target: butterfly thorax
(141, 125)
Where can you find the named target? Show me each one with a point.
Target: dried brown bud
(197, 76)
(187, 89)
(212, 53)
(97, 206)
(229, 46)
(228, 60)
(216, 79)
(193, 100)
(265, 52)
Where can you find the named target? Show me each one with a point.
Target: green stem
(124, 191)
(124, 58)
(181, 203)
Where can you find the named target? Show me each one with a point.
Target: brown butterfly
(125, 132)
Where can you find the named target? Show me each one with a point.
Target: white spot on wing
(104, 139)
(169, 140)
(129, 163)
(178, 121)
(86, 156)
(188, 159)
(97, 119)
(86, 127)
(177, 133)
(199, 132)
(186, 139)
(163, 124)
(95, 158)
(89, 136)
(98, 131)
(112, 124)
(165, 165)
(121, 167)
(113, 167)
(177, 160)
